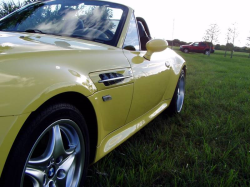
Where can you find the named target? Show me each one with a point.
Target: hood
(13, 42)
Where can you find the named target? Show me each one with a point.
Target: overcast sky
(192, 17)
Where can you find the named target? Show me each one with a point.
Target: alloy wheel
(180, 93)
(57, 157)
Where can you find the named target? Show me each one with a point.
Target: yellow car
(77, 79)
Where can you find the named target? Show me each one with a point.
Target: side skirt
(120, 135)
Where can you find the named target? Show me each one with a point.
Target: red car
(198, 47)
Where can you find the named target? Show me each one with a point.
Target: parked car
(198, 47)
(76, 83)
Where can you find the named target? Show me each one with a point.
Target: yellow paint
(39, 75)
(154, 46)
(112, 114)
(151, 79)
(36, 67)
(9, 128)
(119, 136)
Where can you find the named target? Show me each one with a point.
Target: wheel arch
(83, 104)
(185, 69)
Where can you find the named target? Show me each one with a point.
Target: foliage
(248, 45)
(228, 39)
(248, 39)
(7, 7)
(176, 42)
(217, 47)
(98, 17)
(234, 35)
(229, 46)
(211, 34)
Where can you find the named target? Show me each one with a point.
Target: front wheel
(51, 150)
(176, 104)
(186, 51)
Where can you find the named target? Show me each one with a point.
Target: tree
(7, 7)
(211, 35)
(228, 38)
(230, 46)
(29, 1)
(217, 47)
(248, 45)
(234, 36)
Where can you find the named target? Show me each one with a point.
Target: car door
(202, 47)
(195, 46)
(150, 77)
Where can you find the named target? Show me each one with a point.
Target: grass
(208, 144)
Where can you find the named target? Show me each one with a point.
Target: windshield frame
(112, 42)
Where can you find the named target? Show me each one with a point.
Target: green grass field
(208, 144)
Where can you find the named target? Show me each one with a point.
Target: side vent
(111, 78)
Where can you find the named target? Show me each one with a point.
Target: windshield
(91, 20)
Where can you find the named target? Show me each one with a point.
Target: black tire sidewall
(29, 135)
(172, 109)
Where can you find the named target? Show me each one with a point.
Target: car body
(94, 89)
(198, 47)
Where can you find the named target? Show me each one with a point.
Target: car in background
(77, 78)
(197, 47)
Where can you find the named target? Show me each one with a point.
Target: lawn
(208, 144)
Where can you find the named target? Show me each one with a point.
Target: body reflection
(133, 127)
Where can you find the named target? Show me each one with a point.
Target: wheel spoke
(58, 149)
(43, 161)
(65, 174)
(38, 177)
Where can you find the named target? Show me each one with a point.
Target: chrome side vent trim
(111, 78)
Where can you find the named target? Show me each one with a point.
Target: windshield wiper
(34, 31)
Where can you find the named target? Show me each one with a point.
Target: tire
(186, 51)
(207, 52)
(177, 102)
(51, 150)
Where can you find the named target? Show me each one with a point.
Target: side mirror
(153, 46)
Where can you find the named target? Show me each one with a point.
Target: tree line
(7, 7)
(228, 46)
(212, 33)
(211, 36)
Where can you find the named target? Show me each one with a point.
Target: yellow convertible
(77, 79)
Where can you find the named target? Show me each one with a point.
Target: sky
(188, 20)
(191, 18)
